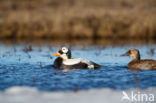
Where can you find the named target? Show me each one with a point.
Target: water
(19, 67)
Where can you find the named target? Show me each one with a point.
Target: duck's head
(134, 53)
(64, 53)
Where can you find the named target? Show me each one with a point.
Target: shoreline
(78, 19)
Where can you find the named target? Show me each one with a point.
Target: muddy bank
(78, 19)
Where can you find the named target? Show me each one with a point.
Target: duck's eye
(65, 50)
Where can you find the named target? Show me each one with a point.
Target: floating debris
(15, 49)
(152, 51)
(41, 64)
(50, 48)
(29, 56)
(33, 80)
(55, 73)
(27, 48)
(76, 89)
(19, 59)
(3, 55)
(50, 56)
(40, 49)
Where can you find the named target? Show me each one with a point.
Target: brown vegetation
(77, 18)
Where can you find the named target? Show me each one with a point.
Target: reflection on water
(24, 65)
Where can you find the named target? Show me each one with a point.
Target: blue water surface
(33, 68)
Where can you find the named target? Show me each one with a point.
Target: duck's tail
(97, 66)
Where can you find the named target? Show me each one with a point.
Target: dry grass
(78, 19)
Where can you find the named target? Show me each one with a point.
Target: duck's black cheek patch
(60, 51)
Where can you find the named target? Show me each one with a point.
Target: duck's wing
(72, 61)
(154, 65)
(77, 61)
(146, 64)
(91, 65)
(149, 63)
(81, 63)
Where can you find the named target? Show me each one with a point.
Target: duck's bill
(125, 54)
(57, 54)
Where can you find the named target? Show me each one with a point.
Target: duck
(65, 61)
(136, 63)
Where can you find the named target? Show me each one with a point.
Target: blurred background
(77, 19)
(31, 31)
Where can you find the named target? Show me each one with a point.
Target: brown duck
(137, 63)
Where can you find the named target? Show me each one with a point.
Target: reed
(78, 19)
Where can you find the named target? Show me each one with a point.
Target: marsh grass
(78, 19)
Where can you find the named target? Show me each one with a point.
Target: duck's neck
(64, 57)
(137, 57)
